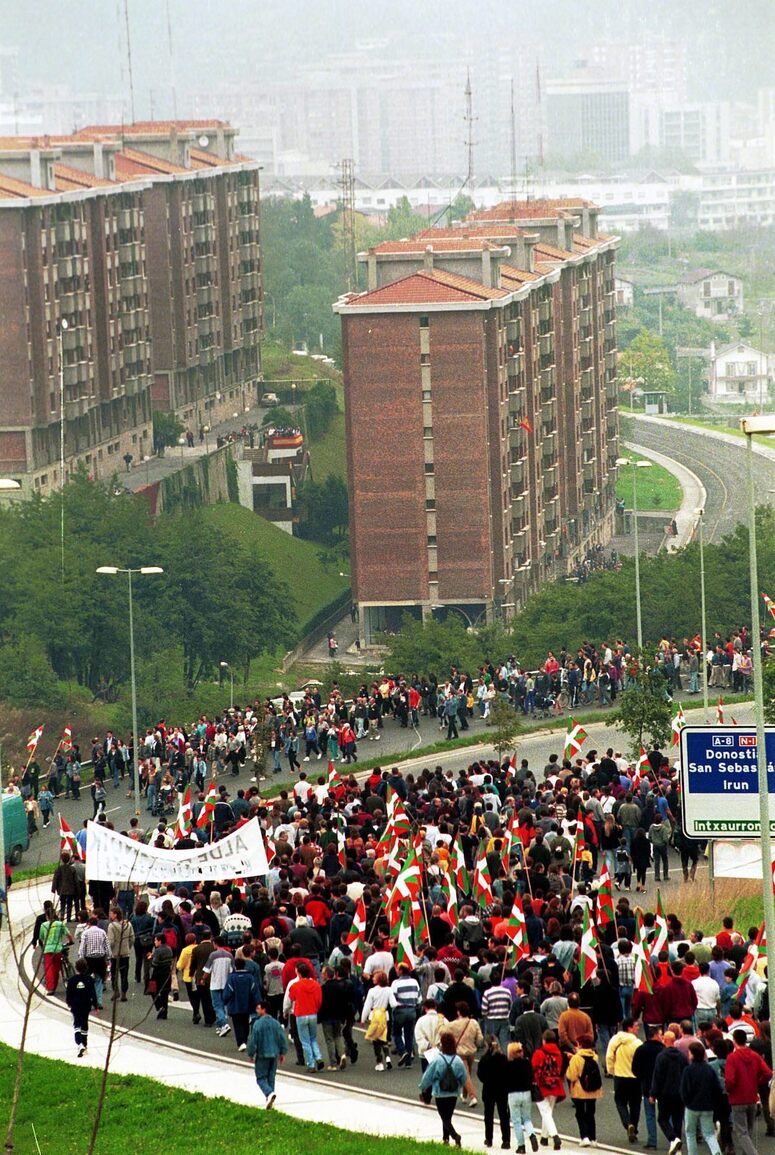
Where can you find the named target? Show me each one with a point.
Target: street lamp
(752, 426)
(7, 485)
(112, 570)
(700, 514)
(226, 666)
(636, 465)
(63, 327)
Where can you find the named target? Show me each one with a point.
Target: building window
(429, 468)
(431, 539)
(430, 503)
(426, 395)
(425, 358)
(427, 431)
(424, 323)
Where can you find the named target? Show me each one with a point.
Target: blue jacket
(435, 1070)
(267, 1039)
(241, 993)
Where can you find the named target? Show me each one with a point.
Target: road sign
(719, 780)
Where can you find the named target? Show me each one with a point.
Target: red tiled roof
(510, 273)
(131, 162)
(148, 128)
(529, 210)
(426, 288)
(11, 187)
(201, 159)
(542, 249)
(467, 230)
(67, 179)
(461, 243)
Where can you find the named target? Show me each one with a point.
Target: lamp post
(61, 328)
(144, 569)
(701, 538)
(226, 666)
(7, 485)
(636, 465)
(752, 426)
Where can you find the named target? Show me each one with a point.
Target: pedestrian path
(694, 495)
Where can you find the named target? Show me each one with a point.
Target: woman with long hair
(445, 1078)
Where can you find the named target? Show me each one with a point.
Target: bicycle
(67, 966)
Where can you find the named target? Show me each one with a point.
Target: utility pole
(129, 63)
(513, 153)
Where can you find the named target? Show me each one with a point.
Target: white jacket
(427, 1030)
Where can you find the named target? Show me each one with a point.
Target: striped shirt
(496, 1003)
(405, 992)
(626, 966)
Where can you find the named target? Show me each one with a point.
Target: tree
(280, 417)
(325, 509)
(320, 408)
(403, 221)
(503, 717)
(645, 710)
(433, 646)
(647, 357)
(166, 429)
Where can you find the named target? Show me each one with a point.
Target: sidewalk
(694, 495)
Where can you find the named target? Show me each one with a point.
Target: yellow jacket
(618, 1057)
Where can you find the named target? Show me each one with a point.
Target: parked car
(15, 829)
(268, 400)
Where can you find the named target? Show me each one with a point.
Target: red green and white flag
(511, 769)
(406, 888)
(185, 814)
(34, 738)
(588, 949)
(397, 818)
(67, 738)
(720, 711)
(457, 865)
(450, 893)
(643, 765)
(205, 814)
(419, 922)
(756, 950)
(395, 857)
(333, 777)
(482, 891)
(642, 980)
(660, 922)
(677, 724)
(341, 847)
(68, 841)
(769, 605)
(404, 943)
(579, 843)
(357, 934)
(516, 930)
(574, 739)
(604, 904)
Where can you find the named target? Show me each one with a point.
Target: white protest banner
(111, 857)
(739, 859)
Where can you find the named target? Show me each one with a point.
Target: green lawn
(735, 430)
(328, 453)
(657, 487)
(58, 1099)
(292, 560)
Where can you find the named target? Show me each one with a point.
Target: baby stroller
(544, 698)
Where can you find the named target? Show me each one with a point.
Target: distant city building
(482, 420)
(701, 132)
(711, 293)
(133, 250)
(739, 374)
(588, 114)
(625, 293)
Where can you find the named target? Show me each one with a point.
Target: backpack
(448, 1080)
(551, 1070)
(590, 1079)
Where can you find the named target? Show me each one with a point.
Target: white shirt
(708, 993)
(381, 960)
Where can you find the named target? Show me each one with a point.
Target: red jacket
(679, 999)
(547, 1070)
(744, 1073)
(306, 996)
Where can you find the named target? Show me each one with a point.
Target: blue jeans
(499, 1028)
(705, 1120)
(650, 1114)
(266, 1072)
(151, 797)
(521, 1108)
(404, 1019)
(625, 998)
(604, 1033)
(220, 1011)
(307, 1027)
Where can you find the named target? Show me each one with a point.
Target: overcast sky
(80, 43)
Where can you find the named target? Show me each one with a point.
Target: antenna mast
(469, 119)
(129, 63)
(347, 184)
(513, 152)
(173, 85)
(540, 114)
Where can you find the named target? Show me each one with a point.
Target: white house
(711, 293)
(624, 291)
(739, 374)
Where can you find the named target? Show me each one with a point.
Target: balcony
(200, 203)
(587, 380)
(518, 470)
(517, 403)
(610, 331)
(71, 339)
(131, 319)
(134, 386)
(589, 441)
(588, 410)
(515, 364)
(517, 438)
(130, 253)
(519, 510)
(68, 267)
(546, 344)
(128, 219)
(549, 448)
(207, 325)
(132, 285)
(585, 348)
(545, 310)
(205, 294)
(74, 375)
(514, 331)
(63, 232)
(610, 359)
(519, 544)
(549, 412)
(550, 477)
(585, 317)
(203, 234)
(588, 471)
(76, 408)
(546, 381)
(204, 264)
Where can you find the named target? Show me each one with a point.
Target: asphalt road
(720, 467)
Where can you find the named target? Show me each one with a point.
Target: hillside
(296, 562)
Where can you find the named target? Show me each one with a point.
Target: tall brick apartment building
(482, 423)
(144, 239)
